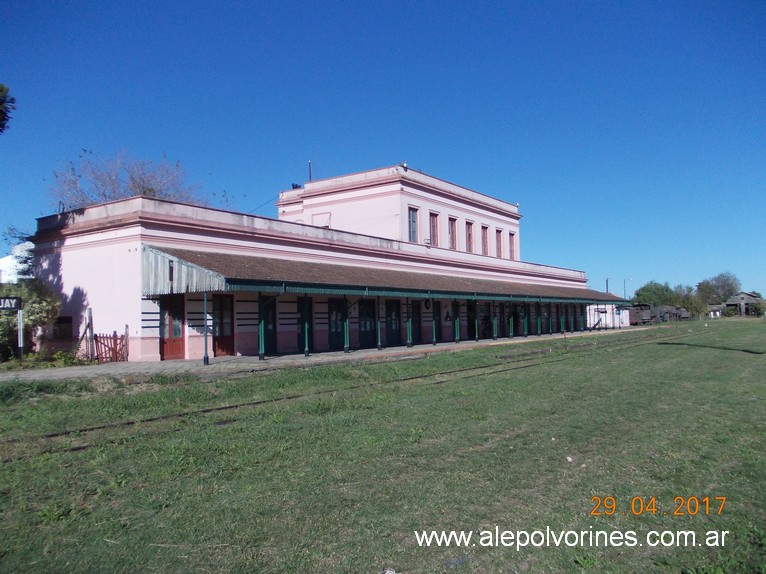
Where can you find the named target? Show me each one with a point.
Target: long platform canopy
(168, 270)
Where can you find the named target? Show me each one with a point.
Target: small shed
(745, 303)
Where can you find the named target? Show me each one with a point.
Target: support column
(456, 322)
(346, 342)
(494, 322)
(261, 331)
(433, 323)
(409, 323)
(205, 357)
(539, 320)
(377, 315)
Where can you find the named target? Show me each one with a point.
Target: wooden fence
(111, 348)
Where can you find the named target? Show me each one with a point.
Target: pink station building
(382, 258)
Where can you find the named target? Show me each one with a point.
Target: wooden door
(223, 325)
(172, 327)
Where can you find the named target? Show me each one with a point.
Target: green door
(367, 326)
(267, 314)
(336, 319)
(393, 324)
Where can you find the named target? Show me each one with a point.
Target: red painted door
(223, 325)
(172, 327)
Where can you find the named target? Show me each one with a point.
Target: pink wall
(94, 257)
(377, 203)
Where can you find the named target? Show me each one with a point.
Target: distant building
(380, 258)
(605, 316)
(714, 311)
(744, 303)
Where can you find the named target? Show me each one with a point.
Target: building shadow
(65, 333)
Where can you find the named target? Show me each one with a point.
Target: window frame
(433, 228)
(452, 233)
(412, 224)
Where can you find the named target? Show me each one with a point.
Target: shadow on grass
(714, 347)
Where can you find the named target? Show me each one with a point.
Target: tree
(654, 293)
(7, 105)
(718, 289)
(41, 307)
(686, 297)
(97, 180)
(706, 291)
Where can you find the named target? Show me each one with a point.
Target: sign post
(20, 325)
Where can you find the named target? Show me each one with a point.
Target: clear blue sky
(632, 134)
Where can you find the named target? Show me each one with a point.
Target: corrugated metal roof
(201, 270)
(186, 276)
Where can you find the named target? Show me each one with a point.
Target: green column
(261, 336)
(494, 327)
(550, 321)
(510, 325)
(306, 338)
(205, 357)
(456, 324)
(346, 343)
(433, 324)
(409, 323)
(377, 315)
(561, 322)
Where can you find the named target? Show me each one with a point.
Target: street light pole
(624, 289)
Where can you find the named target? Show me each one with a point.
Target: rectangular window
(433, 229)
(413, 224)
(484, 240)
(452, 233)
(511, 247)
(62, 329)
(469, 236)
(498, 242)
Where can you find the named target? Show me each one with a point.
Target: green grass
(339, 478)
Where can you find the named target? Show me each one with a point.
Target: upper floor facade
(409, 206)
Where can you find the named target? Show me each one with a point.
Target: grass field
(334, 469)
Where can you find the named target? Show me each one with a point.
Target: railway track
(520, 361)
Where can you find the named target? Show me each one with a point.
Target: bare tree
(96, 180)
